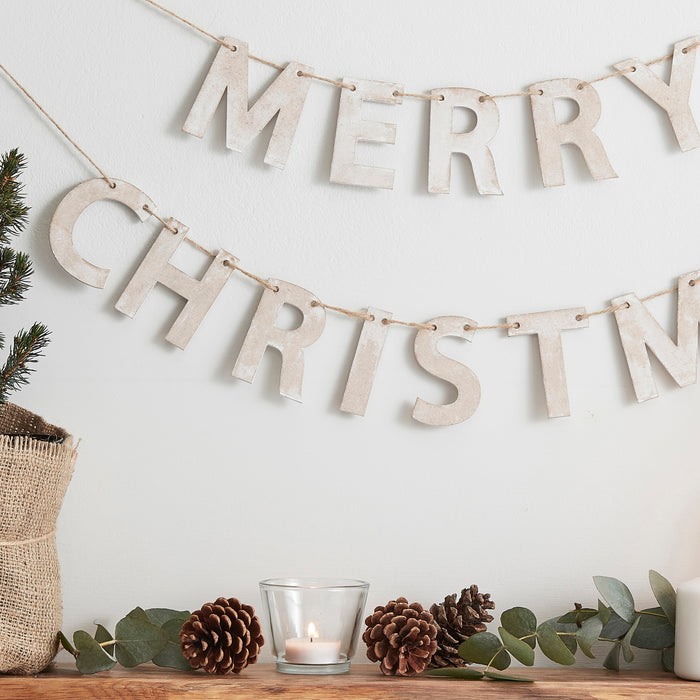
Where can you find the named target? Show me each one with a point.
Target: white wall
(191, 484)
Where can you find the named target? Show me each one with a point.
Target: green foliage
(139, 640)
(665, 595)
(90, 657)
(13, 210)
(618, 623)
(140, 636)
(467, 674)
(485, 648)
(617, 596)
(552, 645)
(26, 349)
(15, 271)
(521, 623)
(522, 651)
(503, 677)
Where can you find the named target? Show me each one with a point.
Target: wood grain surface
(63, 682)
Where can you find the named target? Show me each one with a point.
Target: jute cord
(18, 543)
(274, 288)
(106, 177)
(416, 95)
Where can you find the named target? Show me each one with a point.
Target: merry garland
(285, 97)
(639, 331)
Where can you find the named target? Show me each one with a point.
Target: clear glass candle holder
(314, 623)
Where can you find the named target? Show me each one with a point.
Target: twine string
(105, 177)
(18, 543)
(397, 93)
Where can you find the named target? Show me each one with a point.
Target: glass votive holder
(314, 623)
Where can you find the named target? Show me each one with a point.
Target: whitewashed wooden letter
(548, 325)
(67, 213)
(156, 268)
(284, 98)
(639, 330)
(291, 344)
(551, 134)
(673, 97)
(473, 144)
(365, 363)
(352, 128)
(465, 381)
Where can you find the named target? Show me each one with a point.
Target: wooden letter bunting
(548, 326)
(200, 294)
(463, 379)
(473, 144)
(352, 128)
(283, 101)
(672, 97)
(67, 213)
(551, 135)
(285, 98)
(639, 331)
(291, 344)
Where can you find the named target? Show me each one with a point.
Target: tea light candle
(687, 656)
(312, 649)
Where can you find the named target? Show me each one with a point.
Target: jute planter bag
(34, 476)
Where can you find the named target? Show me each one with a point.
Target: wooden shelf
(63, 682)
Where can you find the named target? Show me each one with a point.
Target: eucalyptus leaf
(159, 616)
(552, 646)
(503, 677)
(567, 633)
(467, 674)
(667, 658)
(65, 643)
(138, 640)
(577, 615)
(665, 595)
(138, 614)
(615, 628)
(612, 660)
(171, 656)
(520, 622)
(522, 651)
(654, 630)
(588, 634)
(627, 642)
(102, 635)
(617, 596)
(603, 612)
(485, 648)
(91, 658)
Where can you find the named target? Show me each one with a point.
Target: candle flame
(312, 631)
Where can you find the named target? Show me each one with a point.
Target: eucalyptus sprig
(141, 636)
(615, 620)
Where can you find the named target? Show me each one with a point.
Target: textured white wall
(191, 484)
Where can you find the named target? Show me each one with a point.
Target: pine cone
(458, 620)
(401, 636)
(223, 636)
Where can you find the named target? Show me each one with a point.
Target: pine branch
(13, 210)
(26, 349)
(15, 270)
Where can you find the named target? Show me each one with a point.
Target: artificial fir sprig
(26, 350)
(13, 210)
(15, 270)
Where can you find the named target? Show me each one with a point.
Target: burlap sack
(34, 475)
